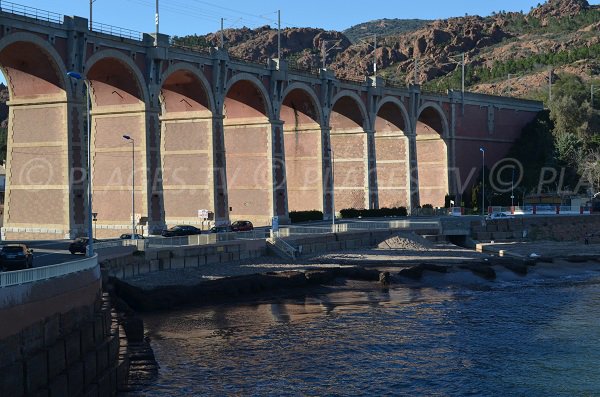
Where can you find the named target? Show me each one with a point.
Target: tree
(590, 170)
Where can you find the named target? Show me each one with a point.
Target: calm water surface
(518, 338)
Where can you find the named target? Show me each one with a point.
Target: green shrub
(373, 213)
(303, 216)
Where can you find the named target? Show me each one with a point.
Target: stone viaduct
(242, 140)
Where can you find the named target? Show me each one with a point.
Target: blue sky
(182, 17)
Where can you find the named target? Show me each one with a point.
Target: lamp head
(127, 137)
(482, 149)
(75, 75)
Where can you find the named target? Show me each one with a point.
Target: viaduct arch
(249, 150)
(40, 150)
(118, 107)
(392, 127)
(349, 143)
(303, 140)
(186, 150)
(432, 154)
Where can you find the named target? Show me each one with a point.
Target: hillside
(383, 27)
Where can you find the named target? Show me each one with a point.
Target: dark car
(242, 226)
(127, 236)
(220, 229)
(15, 257)
(181, 230)
(79, 245)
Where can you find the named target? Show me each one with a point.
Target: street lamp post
(90, 250)
(130, 139)
(512, 189)
(332, 188)
(482, 150)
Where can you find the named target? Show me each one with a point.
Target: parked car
(242, 226)
(498, 215)
(79, 245)
(181, 230)
(220, 229)
(127, 236)
(15, 257)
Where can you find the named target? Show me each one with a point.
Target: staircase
(282, 248)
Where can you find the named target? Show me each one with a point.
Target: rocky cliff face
(558, 9)
(433, 46)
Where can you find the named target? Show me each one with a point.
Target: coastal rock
(484, 271)
(517, 268)
(384, 278)
(416, 272)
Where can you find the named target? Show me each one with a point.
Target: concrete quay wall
(79, 352)
(158, 259)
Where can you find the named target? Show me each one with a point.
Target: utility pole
(375, 55)
(279, 35)
(463, 73)
(416, 71)
(91, 9)
(549, 86)
(324, 49)
(222, 40)
(156, 22)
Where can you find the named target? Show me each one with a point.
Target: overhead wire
(215, 13)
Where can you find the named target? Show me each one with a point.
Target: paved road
(51, 252)
(47, 253)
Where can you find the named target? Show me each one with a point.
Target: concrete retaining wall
(558, 228)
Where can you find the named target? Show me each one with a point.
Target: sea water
(518, 337)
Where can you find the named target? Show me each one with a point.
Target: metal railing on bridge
(19, 277)
(31, 12)
(116, 31)
(404, 224)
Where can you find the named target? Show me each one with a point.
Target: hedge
(373, 213)
(303, 216)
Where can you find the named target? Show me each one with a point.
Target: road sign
(203, 214)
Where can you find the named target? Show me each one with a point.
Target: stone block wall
(78, 353)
